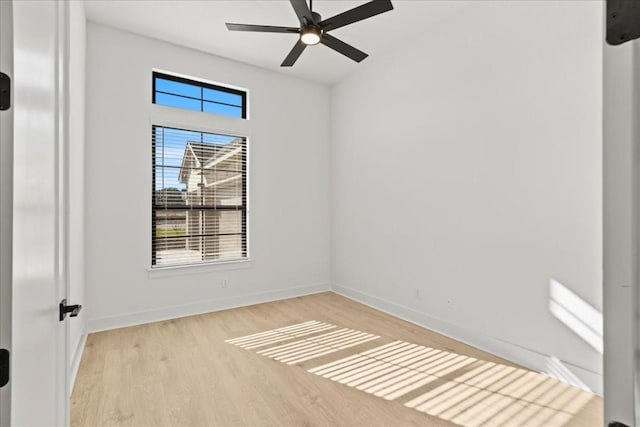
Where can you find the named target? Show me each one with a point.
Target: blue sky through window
(183, 89)
(197, 98)
(178, 102)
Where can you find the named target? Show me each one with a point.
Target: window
(199, 203)
(187, 94)
(199, 200)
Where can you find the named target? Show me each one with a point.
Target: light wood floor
(312, 361)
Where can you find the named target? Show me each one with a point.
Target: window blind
(199, 200)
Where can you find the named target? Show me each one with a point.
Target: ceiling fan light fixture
(310, 35)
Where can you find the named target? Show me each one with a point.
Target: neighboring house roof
(203, 155)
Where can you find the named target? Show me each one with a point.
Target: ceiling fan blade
(343, 48)
(302, 11)
(294, 54)
(261, 28)
(356, 14)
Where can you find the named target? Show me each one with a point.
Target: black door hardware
(623, 21)
(73, 310)
(4, 367)
(617, 424)
(5, 92)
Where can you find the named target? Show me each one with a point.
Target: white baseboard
(75, 361)
(200, 307)
(546, 364)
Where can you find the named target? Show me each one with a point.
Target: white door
(621, 233)
(39, 380)
(6, 204)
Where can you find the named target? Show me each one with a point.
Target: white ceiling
(200, 25)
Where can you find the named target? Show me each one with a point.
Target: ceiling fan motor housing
(316, 17)
(311, 33)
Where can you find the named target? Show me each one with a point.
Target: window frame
(245, 212)
(202, 85)
(178, 118)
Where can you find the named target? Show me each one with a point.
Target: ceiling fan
(313, 29)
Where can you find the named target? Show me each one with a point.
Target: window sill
(181, 270)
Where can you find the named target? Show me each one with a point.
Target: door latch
(72, 310)
(623, 21)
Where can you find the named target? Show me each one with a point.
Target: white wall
(466, 175)
(77, 72)
(622, 64)
(288, 178)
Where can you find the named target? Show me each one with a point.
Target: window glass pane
(170, 240)
(178, 102)
(211, 222)
(223, 110)
(167, 177)
(204, 152)
(171, 147)
(199, 197)
(195, 226)
(226, 192)
(178, 88)
(169, 154)
(198, 96)
(223, 247)
(213, 138)
(195, 197)
(171, 224)
(169, 192)
(230, 222)
(222, 97)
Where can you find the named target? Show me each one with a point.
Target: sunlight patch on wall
(577, 314)
(558, 370)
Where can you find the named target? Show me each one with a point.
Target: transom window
(179, 92)
(199, 203)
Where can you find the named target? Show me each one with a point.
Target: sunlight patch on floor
(460, 389)
(303, 349)
(394, 369)
(280, 334)
(494, 394)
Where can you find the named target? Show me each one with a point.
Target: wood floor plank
(194, 372)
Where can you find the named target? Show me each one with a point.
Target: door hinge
(5, 92)
(4, 367)
(72, 310)
(623, 21)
